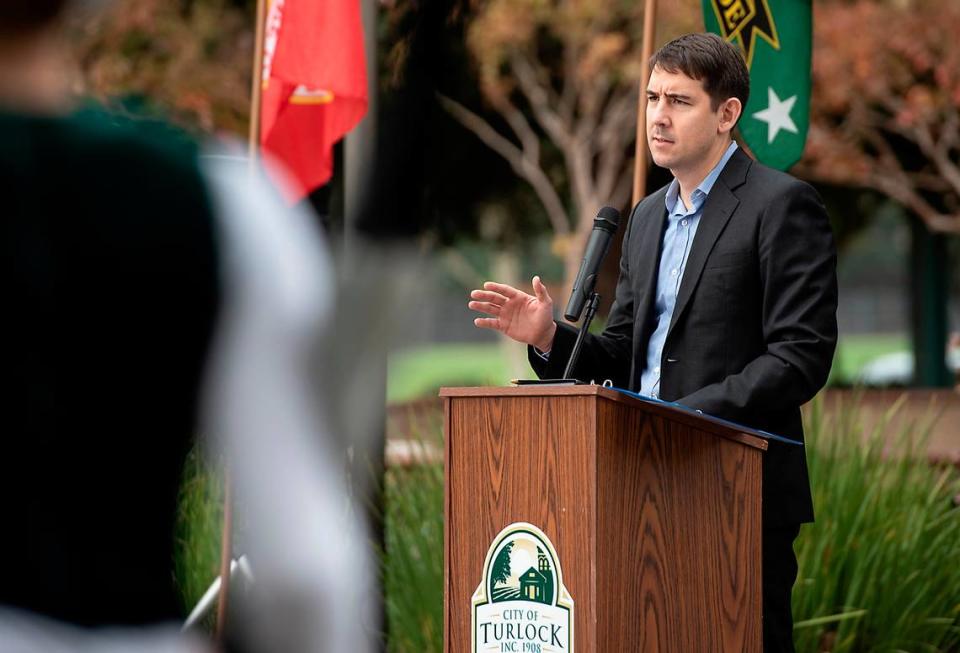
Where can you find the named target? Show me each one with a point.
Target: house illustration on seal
(537, 584)
(533, 585)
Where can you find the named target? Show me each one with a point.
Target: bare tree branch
(950, 131)
(620, 197)
(928, 181)
(580, 167)
(521, 127)
(588, 115)
(591, 103)
(903, 193)
(576, 151)
(902, 185)
(519, 160)
(923, 136)
(568, 96)
(461, 269)
(618, 118)
(538, 95)
(891, 179)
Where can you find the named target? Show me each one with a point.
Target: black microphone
(604, 226)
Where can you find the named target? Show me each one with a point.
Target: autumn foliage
(563, 76)
(885, 113)
(190, 59)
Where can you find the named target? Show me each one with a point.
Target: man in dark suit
(727, 296)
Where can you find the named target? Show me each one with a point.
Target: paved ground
(917, 406)
(413, 423)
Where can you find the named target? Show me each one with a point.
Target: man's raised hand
(514, 313)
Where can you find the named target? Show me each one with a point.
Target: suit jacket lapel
(719, 207)
(650, 236)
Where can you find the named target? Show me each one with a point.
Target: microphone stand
(592, 306)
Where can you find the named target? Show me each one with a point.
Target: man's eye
(677, 100)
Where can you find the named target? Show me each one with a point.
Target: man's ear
(729, 112)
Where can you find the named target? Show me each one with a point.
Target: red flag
(314, 85)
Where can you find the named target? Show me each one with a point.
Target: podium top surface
(673, 412)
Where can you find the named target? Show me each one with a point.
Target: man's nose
(657, 115)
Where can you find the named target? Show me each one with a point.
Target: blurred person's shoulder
(98, 159)
(141, 179)
(115, 134)
(105, 193)
(98, 135)
(151, 154)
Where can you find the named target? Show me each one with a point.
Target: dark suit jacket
(754, 328)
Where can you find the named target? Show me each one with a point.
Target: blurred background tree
(187, 59)
(563, 76)
(886, 110)
(885, 116)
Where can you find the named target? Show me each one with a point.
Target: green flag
(775, 37)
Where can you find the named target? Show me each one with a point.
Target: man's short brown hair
(710, 59)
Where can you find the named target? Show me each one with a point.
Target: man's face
(682, 128)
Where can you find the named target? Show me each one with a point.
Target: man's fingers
(485, 307)
(487, 323)
(540, 290)
(488, 296)
(502, 288)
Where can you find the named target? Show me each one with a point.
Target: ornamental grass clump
(199, 529)
(413, 564)
(880, 568)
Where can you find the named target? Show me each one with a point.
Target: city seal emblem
(521, 605)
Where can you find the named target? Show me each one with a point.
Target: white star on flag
(777, 115)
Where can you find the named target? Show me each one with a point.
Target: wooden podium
(654, 513)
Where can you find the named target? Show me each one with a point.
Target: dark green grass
(199, 529)
(420, 371)
(880, 569)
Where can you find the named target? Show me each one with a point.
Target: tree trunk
(573, 257)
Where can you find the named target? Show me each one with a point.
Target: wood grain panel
(679, 537)
(520, 459)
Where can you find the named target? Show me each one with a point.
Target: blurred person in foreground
(152, 294)
(727, 296)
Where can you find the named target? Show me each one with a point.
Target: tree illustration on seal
(501, 566)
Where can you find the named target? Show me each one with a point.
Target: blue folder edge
(717, 420)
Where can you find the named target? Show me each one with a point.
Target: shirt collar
(674, 203)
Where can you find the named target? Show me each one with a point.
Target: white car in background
(896, 368)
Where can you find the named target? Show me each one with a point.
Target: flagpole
(256, 81)
(226, 554)
(253, 147)
(640, 155)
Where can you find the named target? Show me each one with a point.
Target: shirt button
(656, 370)
(673, 272)
(683, 223)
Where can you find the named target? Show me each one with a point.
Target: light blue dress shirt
(682, 225)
